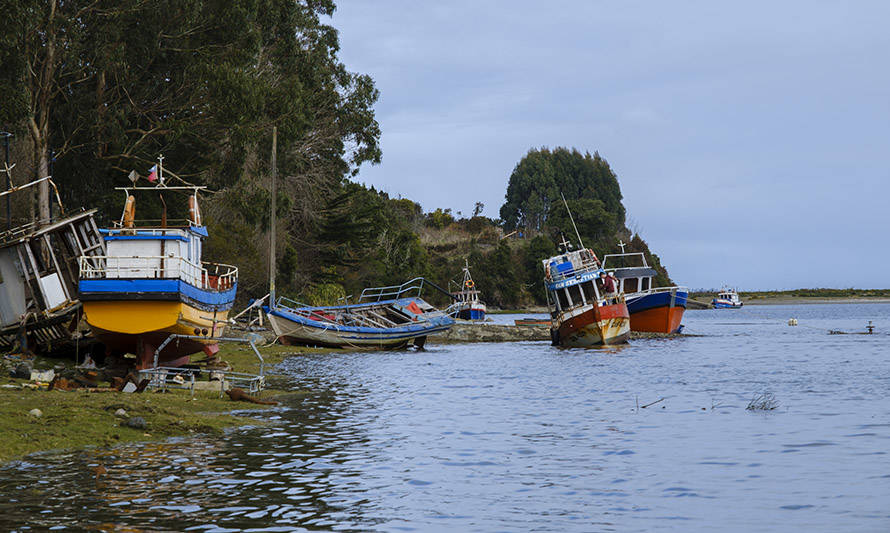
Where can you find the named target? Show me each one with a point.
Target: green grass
(79, 419)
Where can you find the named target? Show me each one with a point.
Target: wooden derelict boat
(152, 283)
(580, 314)
(39, 308)
(384, 318)
(727, 299)
(652, 309)
(467, 305)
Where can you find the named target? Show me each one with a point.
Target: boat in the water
(581, 314)
(39, 308)
(467, 305)
(652, 309)
(384, 318)
(727, 299)
(529, 321)
(152, 283)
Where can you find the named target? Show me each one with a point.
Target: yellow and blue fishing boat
(152, 283)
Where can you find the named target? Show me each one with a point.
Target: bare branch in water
(763, 402)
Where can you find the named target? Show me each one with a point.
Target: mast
(272, 218)
(6, 137)
(572, 219)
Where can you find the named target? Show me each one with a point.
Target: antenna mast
(572, 219)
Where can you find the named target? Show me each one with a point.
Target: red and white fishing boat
(580, 313)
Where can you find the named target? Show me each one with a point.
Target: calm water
(521, 437)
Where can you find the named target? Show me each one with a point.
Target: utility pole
(272, 218)
(6, 137)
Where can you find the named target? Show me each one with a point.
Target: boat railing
(393, 292)
(623, 263)
(319, 314)
(655, 290)
(208, 276)
(150, 224)
(574, 271)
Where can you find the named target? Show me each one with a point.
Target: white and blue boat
(467, 305)
(652, 309)
(727, 299)
(153, 283)
(384, 318)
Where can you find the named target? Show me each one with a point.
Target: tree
(542, 176)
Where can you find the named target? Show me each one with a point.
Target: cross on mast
(622, 245)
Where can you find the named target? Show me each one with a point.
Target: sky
(751, 139)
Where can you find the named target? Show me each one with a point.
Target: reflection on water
(517, 437)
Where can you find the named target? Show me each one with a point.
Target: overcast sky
(750, 139)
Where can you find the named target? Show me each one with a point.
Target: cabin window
(631, 284)
(563, 299)
(589, 291)
(646, 284)
(575, 294)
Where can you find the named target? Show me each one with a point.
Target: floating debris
(763, 402)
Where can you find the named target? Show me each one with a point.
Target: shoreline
(805, 300)
(82, 419)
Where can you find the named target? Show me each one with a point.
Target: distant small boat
(531, 322)
(727, 299)
(580, 314)
(384, 318)
(467, 305)
(652, 309)
(153, 283)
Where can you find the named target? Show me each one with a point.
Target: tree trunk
(43, 188)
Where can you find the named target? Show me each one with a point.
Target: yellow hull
(139, 327)
(137, 317)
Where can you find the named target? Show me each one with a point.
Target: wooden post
(272, 218)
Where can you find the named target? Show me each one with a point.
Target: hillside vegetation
(96, 89)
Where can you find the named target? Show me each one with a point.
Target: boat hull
(138, 322)
(53, 333)
(659, 312)
(720, 304)
(140, 327)
(594, 326)
(471, 312)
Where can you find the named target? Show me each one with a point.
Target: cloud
(736, 130)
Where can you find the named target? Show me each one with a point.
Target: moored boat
(581, 315)
(384, 318)
(652, 309)
(467, 305)
(153, 283)
(727, 299)
(529, 321)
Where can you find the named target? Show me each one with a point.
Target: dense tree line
(108, 85)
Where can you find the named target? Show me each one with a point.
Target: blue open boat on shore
(384, 318)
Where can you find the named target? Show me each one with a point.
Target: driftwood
(239, 395)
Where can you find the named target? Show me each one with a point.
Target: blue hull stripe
(109, 288)
(412, 330)
(658, 299)
(471, 314)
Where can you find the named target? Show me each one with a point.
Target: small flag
(153, 174)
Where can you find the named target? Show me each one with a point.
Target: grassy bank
(78, 419)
